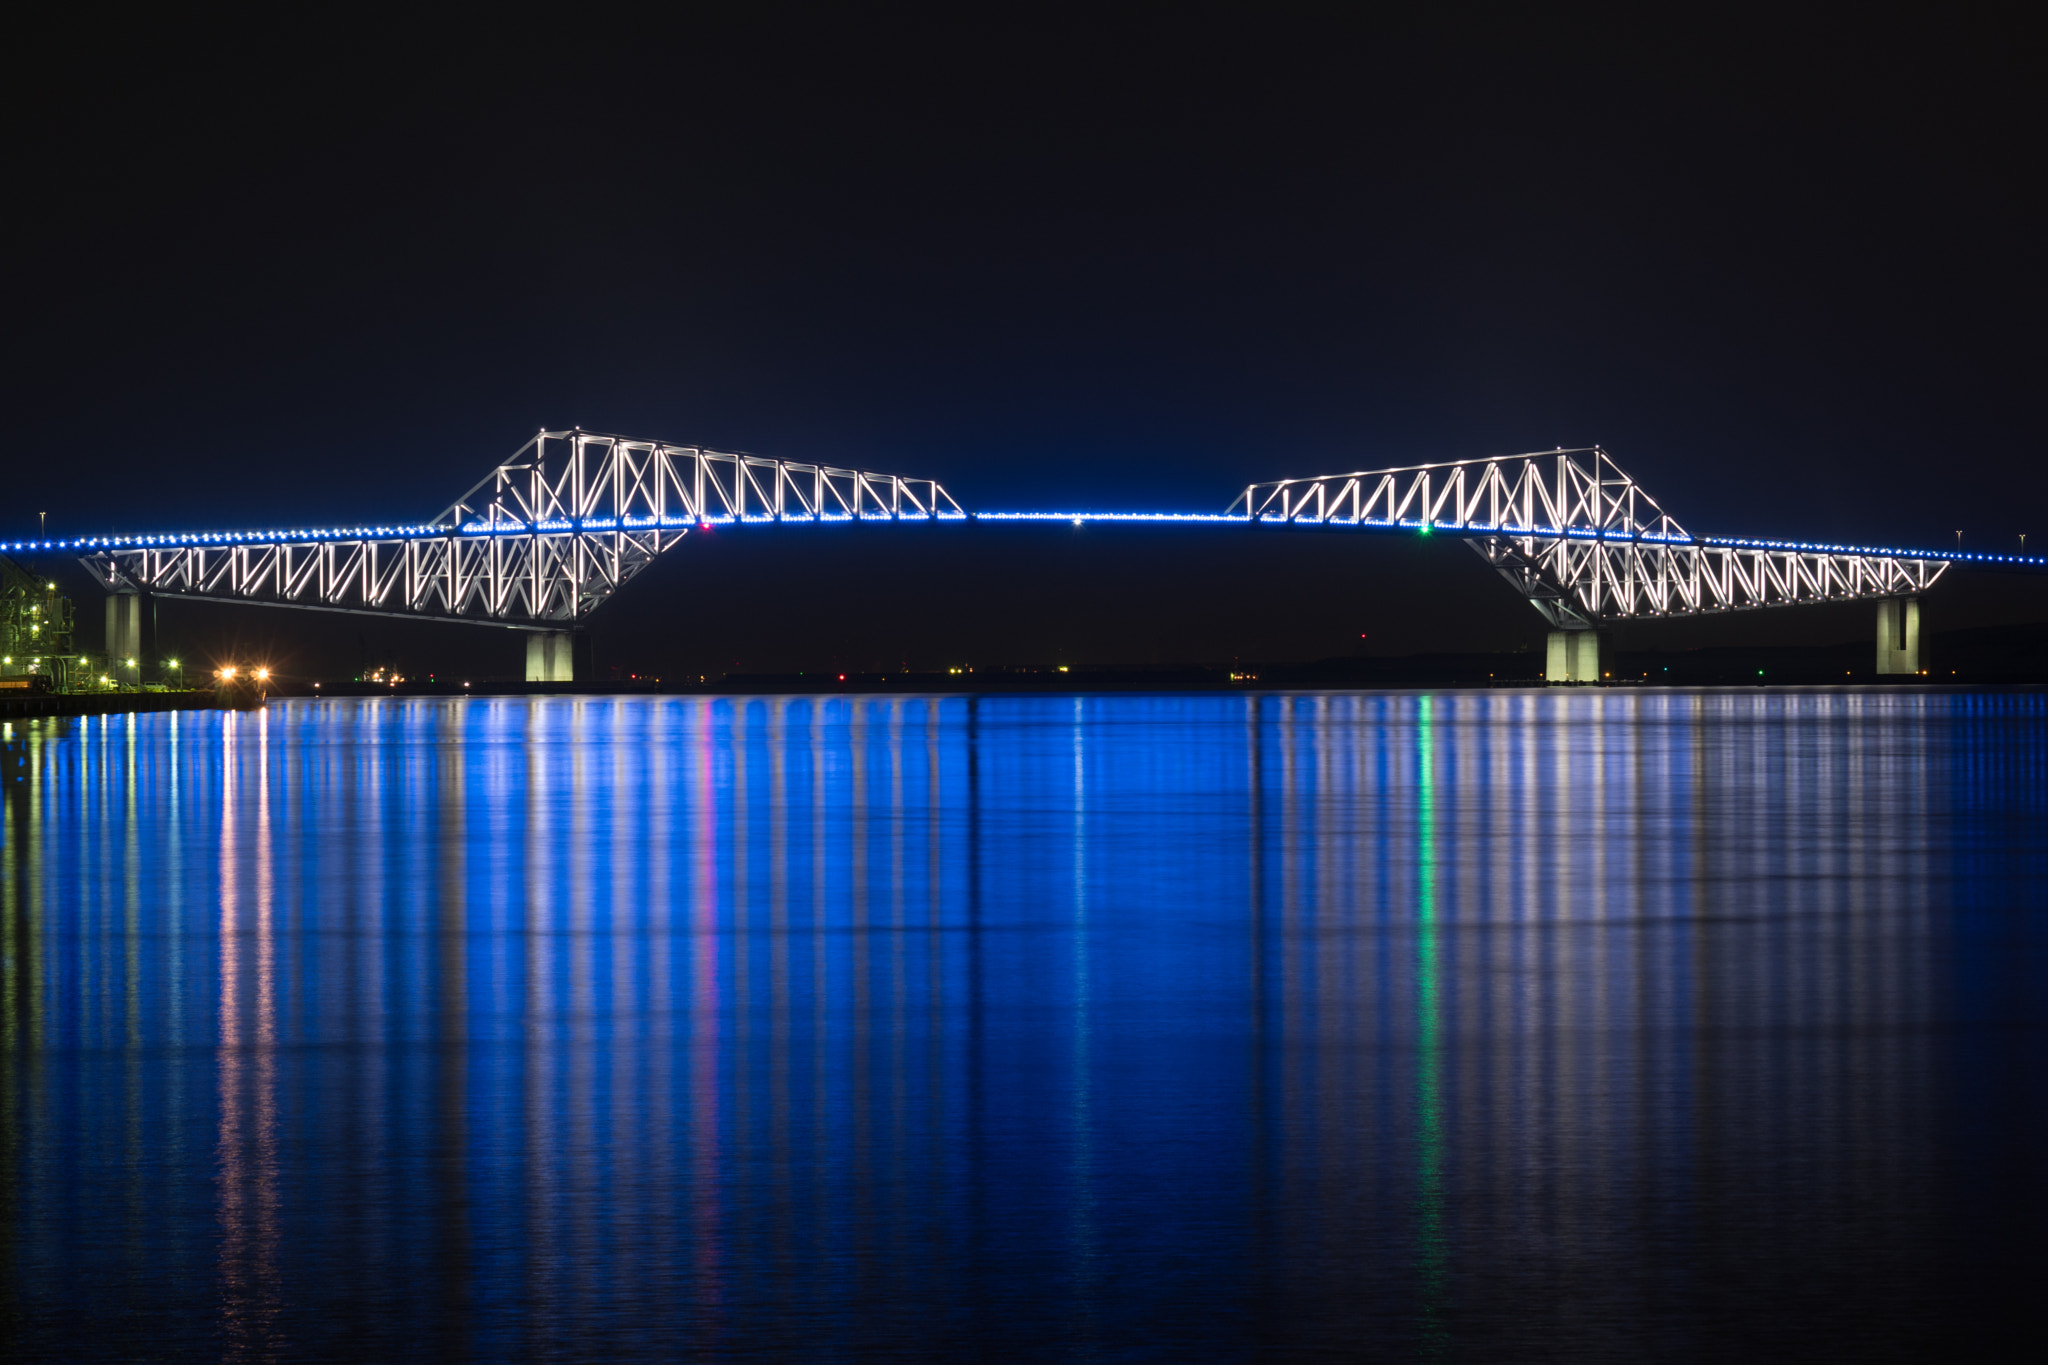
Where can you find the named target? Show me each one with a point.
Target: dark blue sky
(1786, 267)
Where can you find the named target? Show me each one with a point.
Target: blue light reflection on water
(1463, 1026)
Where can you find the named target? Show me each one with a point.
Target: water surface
(1520, 1025)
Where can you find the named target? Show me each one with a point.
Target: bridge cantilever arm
(1584, 543)
(106, 570)
(542, 541)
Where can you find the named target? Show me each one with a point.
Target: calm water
(1587, 1025)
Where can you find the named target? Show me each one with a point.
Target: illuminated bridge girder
(540, 542)
(553, 532)
(1585, 544)
(1577, 585)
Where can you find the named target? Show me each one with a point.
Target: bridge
(551, 534)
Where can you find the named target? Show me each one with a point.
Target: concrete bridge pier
(1898, 635)
(1572, 656)
(124, 636)
(551, 656)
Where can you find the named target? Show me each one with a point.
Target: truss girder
(1581, 584)
(539, 579)
(1583, 542)
(541, 541)
(580, 476)
(1548, 492)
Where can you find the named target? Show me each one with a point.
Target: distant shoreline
(913, 685)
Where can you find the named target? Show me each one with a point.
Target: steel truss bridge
(549, 535)
(1585, 544)
(539, 543)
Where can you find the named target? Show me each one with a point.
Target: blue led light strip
(1113, 516)
(1540, 532)
(228, 539)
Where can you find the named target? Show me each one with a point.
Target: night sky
(1787, 269)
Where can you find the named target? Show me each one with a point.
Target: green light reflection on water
(1432, 1252)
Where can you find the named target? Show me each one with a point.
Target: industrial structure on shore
(38, 633)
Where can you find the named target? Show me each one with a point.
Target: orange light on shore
(262, 675)
(227, 674)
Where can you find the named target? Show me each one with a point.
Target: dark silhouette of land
(1984, 656)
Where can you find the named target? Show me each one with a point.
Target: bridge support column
(1898, 635)
(550, 656)
(124, 635)
(1572, 656)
